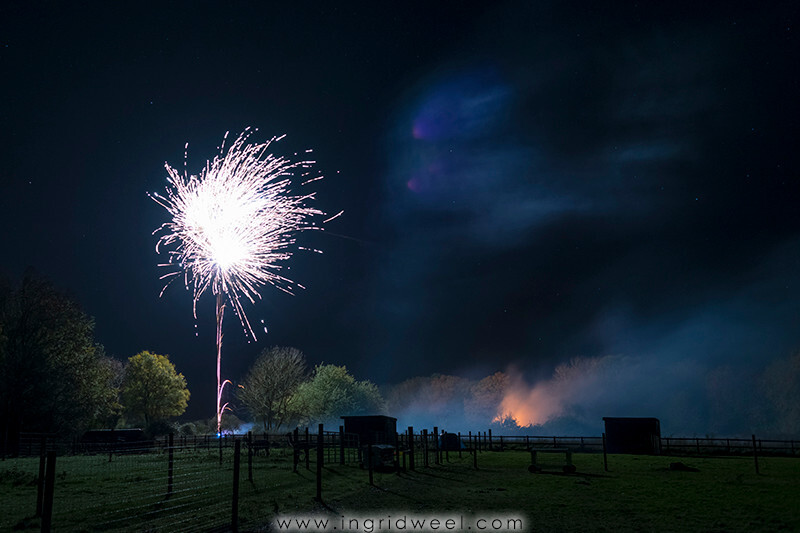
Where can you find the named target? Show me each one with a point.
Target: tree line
(279, 391)
(54, 377)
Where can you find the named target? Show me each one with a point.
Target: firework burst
(233, 227)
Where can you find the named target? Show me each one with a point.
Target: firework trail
(232, 228)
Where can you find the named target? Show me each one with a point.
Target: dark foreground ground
(638, 493)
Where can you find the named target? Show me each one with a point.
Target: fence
(203, 482)
(155, 487)
(725, 446)
(175, 483)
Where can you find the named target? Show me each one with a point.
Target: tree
(270, 383)
(485, 398)
(152, 390)
(112, 372)
(780, 383)
(332, 392)
(431, 400)
(52, 375)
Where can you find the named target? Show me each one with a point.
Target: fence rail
(726, 446)
(32, 444)
(177, 482)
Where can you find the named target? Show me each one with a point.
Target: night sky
(523, 183)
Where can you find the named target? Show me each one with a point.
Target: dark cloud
(523, 183)
(594, 191)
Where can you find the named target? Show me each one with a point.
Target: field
(638, 493)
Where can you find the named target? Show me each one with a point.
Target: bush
(158, 428)
(188, 428)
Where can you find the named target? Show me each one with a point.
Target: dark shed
(640, 436)
(449, 442)
(372, 429)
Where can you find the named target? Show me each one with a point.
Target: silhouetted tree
(112, 372)
(270, 383)
(483, 402)
(52, 374)
(438, 399)
(781, 385)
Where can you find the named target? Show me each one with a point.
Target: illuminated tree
(152, 390)
(332, 392)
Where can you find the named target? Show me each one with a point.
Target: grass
(639, 493)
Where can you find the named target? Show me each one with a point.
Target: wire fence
(176, 483)
(186, 483)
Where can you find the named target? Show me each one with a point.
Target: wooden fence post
(369, 463)
(320, 452)
(47, 504)
(170, 464)
(250, 456)
(4, 445)
(411, 447)
(459, 445)
(237, 448)
(397, 453)
(491, 448)
(605, 456)
(307, 448)
(755, 453)
(425, 448)
(341, 445)
(436, 445)
(40, 480)
(296, 450)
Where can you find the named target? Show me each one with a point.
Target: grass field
(639, 493)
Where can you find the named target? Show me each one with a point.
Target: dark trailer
(376, 433)
(372, 429)
(638, 436)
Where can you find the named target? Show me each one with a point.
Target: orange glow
(576, 382)
(529, 405)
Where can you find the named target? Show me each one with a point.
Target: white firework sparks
(233, 226)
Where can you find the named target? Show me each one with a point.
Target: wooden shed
(372, 429)
(638, 436)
